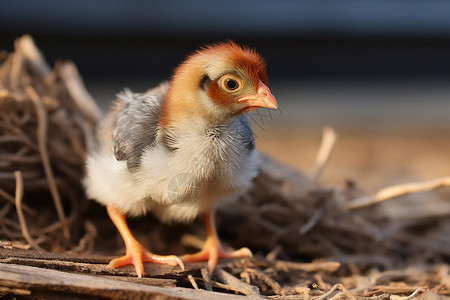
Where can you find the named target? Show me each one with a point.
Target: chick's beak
(263, 98)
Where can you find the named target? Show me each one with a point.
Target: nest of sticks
(310, 241)
(46, 128)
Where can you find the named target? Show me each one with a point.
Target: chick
(177, 149)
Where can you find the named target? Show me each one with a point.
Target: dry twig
(18, 201)
(398, 191)
(234, 284)
(329, 138)
(42, 143)
(192, 281)
(206, 279)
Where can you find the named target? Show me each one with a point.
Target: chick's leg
(213, 250)
(136, 254)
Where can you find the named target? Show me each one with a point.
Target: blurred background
(376, 71)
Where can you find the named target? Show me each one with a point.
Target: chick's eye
(231, 84)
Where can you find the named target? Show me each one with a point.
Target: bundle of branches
(283, 216)
(46, 129)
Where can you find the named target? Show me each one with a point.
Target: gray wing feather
(245, 133)
(136, 126)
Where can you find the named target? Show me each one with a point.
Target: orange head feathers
(217, 82)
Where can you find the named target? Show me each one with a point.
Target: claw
(172, 260)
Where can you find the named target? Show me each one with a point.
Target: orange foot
(213, 250)
(136, 254)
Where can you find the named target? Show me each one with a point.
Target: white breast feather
(175, 185)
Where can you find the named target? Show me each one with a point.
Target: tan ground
(374, 159)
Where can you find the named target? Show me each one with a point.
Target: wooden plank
(38, 282)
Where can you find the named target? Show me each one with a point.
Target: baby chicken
(175, 150)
